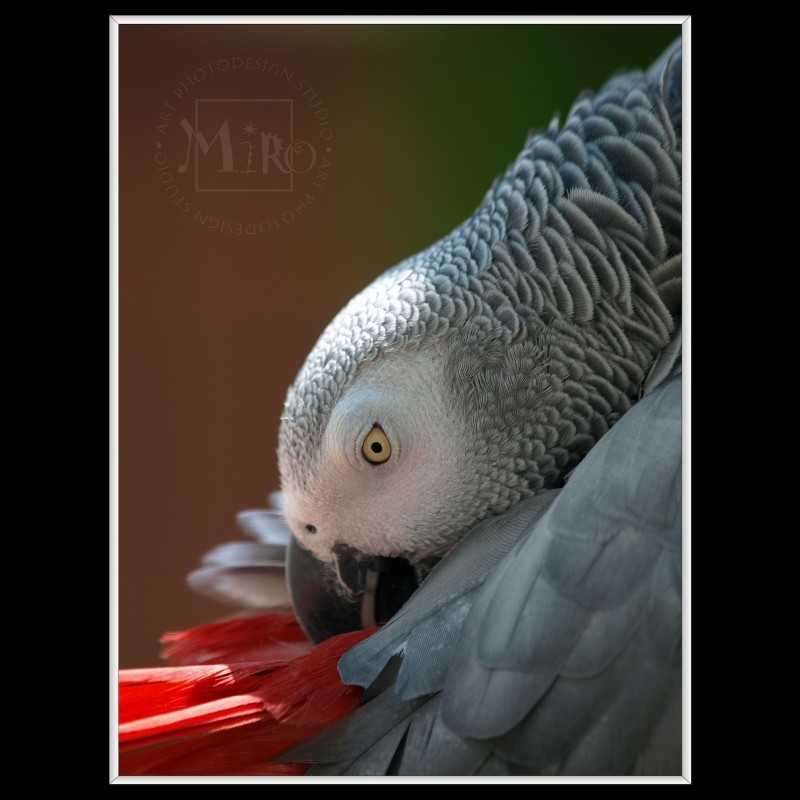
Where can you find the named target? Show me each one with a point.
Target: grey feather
(251, 554)
(378, 759)
(340, 746)
(431, 748)
(265, 525)
(597, 545)
(248, 574)
(247, 587)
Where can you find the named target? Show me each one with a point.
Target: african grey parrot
(484, 449)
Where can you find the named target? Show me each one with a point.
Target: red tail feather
(276, 638)
(269, 689)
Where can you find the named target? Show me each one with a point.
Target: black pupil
(376, 447)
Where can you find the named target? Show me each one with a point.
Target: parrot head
(480, 371)
(394, 443)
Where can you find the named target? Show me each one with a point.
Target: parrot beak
(355, 592)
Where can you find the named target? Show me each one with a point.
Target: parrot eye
(376, 447)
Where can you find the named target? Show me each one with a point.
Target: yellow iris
(376, 447)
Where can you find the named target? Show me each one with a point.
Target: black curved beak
(357, 592)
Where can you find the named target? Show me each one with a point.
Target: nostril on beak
(311, 528)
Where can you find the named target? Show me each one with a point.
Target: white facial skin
(411, 503)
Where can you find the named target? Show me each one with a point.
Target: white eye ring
(376, 447)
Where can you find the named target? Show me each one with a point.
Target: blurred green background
(214, 327)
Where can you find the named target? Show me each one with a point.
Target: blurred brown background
(213, 325)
